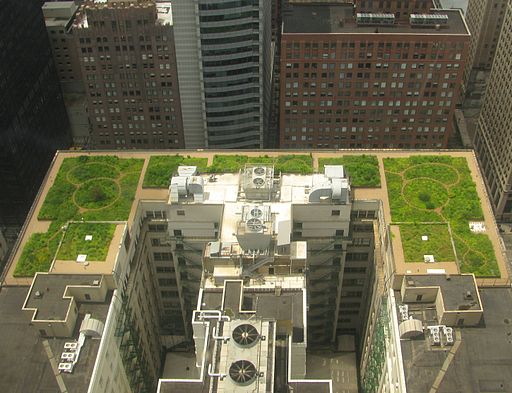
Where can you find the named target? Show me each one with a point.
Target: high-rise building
(128, 67)
(33, 121)
(261, 280)
(223, 52)
(59, 16)
(369, 80)
(493, 139)
(485, 21)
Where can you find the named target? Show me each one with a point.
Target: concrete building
(223, 54)
(485, 21)
(492, 138)
(369, 81)
(248, 281)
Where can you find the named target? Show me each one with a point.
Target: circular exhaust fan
(245, 335)
(256, 212)
(259, 171)
(254, 224)
(242, 372)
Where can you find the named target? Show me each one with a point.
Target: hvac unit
(371, 19)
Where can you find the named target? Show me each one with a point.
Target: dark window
(335, 213)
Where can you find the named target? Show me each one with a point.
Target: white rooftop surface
(457, 4)
(295, 188)
(164, 11)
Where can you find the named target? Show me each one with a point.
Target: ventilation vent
(242, 372)
(259, 171)
(245, 335)
(258, 182)
(256, 212)
(254, 224)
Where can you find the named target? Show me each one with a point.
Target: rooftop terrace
(108, 186)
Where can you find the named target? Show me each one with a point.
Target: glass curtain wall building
(232, 82)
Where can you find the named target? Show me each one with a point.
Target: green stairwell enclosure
(377, 359)
(134, 363)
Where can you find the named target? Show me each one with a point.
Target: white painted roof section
(164, 11)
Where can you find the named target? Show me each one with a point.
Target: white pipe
(220, 375)
(214, 335)
(206, 314)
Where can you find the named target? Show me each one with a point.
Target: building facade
(368, 82)
(485, 21)
(223, 54)
(128, 67)
(492, 138)
(33, 121)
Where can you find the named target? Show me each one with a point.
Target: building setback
(493, 140)
(368, 83)
(33, 121)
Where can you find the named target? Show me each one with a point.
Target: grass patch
(161, 168)
(292, 163)
(363, 169)
(441, 189)
(438, 244)
(38, 253)
(103, 186)
(96, 193)
(74, 242)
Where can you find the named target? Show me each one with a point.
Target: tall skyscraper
(373, 80)
(485, 20)
(33, 121)
(224, 69)
(493, 139)
(128, 66)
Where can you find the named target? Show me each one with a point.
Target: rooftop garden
(86, 188)
(426, 189)
(161, 168)
(362, 169)
(426, 239)
(91, 239)
(292, 163)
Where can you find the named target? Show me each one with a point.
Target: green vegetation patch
(362, 169)
(425, 193)
(90, 188)
(96, 193)
(440, 189)
(161, 168)
(75, 243)
(292, 163)
(438, 244)
(38, 253)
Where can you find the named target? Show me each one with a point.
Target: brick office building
(372, 81)
(128, 67)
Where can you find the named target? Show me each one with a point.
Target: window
(335, 213)
(419, 298)
(339, 232)
(180, 212)
(87, 296)
(177, 232)
(155, 242)
(164, 269)
(162, 256)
